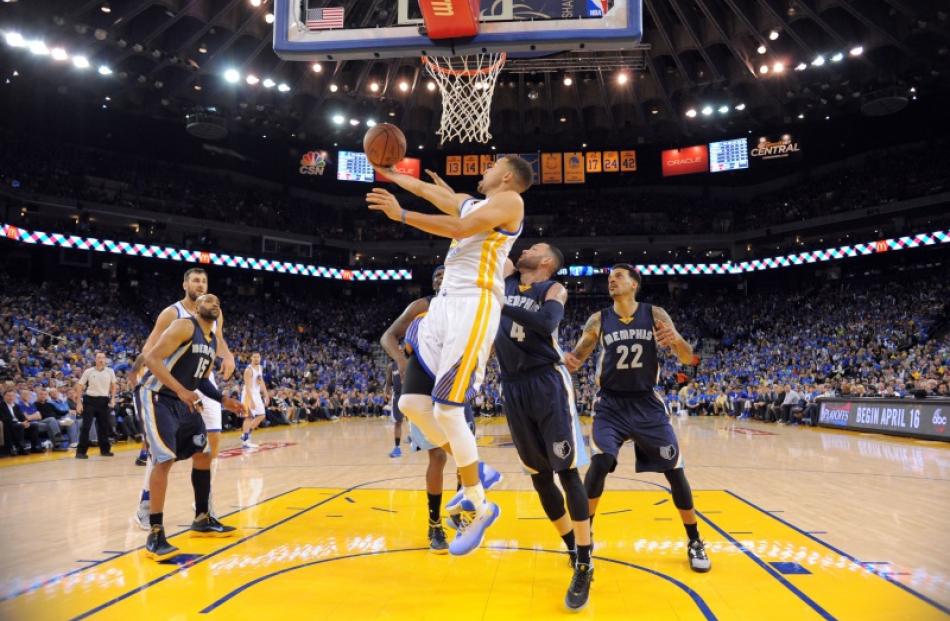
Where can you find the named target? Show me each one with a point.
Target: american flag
(324, 18)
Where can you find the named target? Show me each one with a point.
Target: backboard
(367, 29)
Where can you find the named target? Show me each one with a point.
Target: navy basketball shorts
(173, 432)
(398, 416)
(641, 418)
(541, 422)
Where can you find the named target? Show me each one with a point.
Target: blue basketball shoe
(472, 533)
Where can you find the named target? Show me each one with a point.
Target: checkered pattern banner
(792, 260)
(196, 256)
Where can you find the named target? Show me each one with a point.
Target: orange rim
(465, 72)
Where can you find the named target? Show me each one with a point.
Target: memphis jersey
(189, 364)
(628, 360)
(521, 351)
(184, 312)
(397, 381)
(477, 263)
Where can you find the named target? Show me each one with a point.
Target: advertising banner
(685, 161)
(919, 418)
(766, 148)
(407, 166)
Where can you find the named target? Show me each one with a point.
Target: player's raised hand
(383, 200)
(572, 362)
(665, 334)
(439, 181)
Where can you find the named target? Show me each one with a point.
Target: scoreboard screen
(353, 166)
(728, 155)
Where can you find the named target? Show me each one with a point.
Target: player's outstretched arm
(505, 209)
(439, 193)
(585, 345)
(667, 336)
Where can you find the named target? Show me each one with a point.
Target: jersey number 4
(517, 332)
(624, 352)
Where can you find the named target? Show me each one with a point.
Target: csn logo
(939, 421)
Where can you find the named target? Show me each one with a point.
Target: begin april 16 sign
(925, 418)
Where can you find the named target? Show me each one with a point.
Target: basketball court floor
(800, 524)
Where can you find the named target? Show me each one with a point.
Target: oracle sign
(685, 161)
(407, 166)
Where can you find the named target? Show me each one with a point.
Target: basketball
(384, 145)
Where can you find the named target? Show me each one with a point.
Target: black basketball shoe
(437, 542)
(157, 547)
(206, 525)
(579, 590)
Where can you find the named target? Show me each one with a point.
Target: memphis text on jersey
(638, 334)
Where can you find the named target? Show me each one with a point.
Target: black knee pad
(576, 494)
(601, 465)
(682, 494)
(551, 499)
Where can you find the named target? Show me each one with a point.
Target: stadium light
(773, 35)
(568, 80)
(105, 8)
(269, 18)
(837, 58)
(801, 66)
(58, 53)
(232, 76)
(317, 67)
(723, 109)
(430, 85)
(354, 122)
(14, 39)
(373, 86)
(338, 119)
(622, 78)
(334, 88)
(740, 107)
(38, 48)
(104, 70)
(268, 83)
(80, 62)
(764, 69)
(691, 113)
(819, 61)
(778, 68)
(707, 110)
(283, 88)
(252, 79)
(801, 115)
(404, 86)
(856, 51)
(370, 123)
(761, 49)
(255, 3)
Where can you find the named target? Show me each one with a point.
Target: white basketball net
(467, 84)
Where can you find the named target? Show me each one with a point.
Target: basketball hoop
(467, 84)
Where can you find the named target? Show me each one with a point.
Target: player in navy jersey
(392, 390)
(408, 385)
(628, 407)
(539, 403)
(178, 365)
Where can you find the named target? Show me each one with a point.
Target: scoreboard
(353, 166)
(728, 155)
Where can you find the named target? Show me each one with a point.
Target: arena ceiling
(712, 66)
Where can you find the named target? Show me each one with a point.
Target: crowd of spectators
(28, 164)
(767, 355)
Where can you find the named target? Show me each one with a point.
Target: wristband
(403, 216)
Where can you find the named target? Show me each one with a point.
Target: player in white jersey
(454, 339)
(255, 398)
(195, 285)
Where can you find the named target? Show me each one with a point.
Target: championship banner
(470, 165)
(612, 162)
(552, 168)
(484, 163)
(573, 167)
(453, 165)
(593, 161)
(628, 161)
(407, 166)
(918, 418)
(685, 161)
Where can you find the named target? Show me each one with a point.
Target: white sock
(476, 495)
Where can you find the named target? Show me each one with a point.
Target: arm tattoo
(588, 342)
